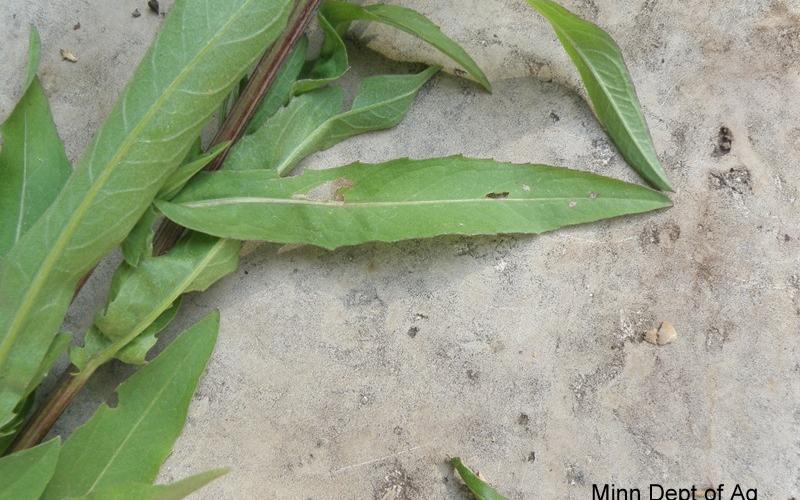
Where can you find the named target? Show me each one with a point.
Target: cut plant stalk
(168, 234)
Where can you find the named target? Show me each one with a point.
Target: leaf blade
(128, 443)
(143, 491)
(610, 87)
(329, 66)
(381, 103)
(403, 199)
(32, 160)
(476, 485)
(25, 473)
(408, 20)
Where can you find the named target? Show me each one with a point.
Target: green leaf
(141, 295)
(180, 177)
(139, 241)
(479, 488)
(281, 136)
(297, 131)
(25, 473)
(403, 199)
(128, 443)
(143, 491)
(329, 66)
(34, 55)
(134, 352)
(610, 88)
(202, 51)
(340, 14)
(281, 90)
(33, 163)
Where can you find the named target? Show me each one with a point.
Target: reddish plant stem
(168, 233)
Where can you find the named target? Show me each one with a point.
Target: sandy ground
(356, 373)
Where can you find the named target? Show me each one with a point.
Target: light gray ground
(356, 373)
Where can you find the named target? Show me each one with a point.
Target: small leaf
(143, 491)
(140, 296)
(281, 90)
(24, 474)
(134, 352)
(329, 66)
(186, 171)
(479, 488)
(128, 443)
(310, 123)
(139, 241)
(282, 134)
(340, 14)
(32, 161)
(610, 88)
(403, 199)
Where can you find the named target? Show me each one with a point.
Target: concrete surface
(356, 373)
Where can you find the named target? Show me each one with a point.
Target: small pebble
(153, 4)
(68, 56)
(77, 26)
(136, 13)
(665, 334)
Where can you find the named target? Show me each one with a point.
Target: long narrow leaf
(33, 163)
(296, 132)
(479, 488)
(24, 475)
(203, 49)
(610, 88)
(129, 442)
(340, 14)
(143, 491)
(403, 199)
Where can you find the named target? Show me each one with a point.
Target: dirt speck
(136, 13)
(531, 457)
(523, 419)
(76, 26)
(154, 6)
(554, 117)
(413, 331)
(737, 180)
(473, 375)
(724, 141)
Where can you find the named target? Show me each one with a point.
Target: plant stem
(168, 233)
(46, 415)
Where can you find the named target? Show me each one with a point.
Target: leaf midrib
(33, 290)
(237, 200)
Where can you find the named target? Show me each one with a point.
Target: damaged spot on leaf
(330, 191)
(497, 196)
